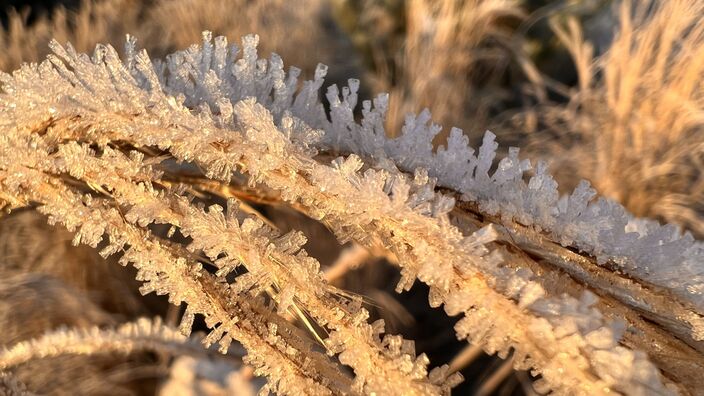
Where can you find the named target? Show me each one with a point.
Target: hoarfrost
(206, 97)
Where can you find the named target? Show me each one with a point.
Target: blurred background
(602, 90)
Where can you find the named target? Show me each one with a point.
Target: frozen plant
(92, 141)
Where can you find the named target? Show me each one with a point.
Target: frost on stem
(225, 113)
(273, 262)
(127, 338)
(279, 356)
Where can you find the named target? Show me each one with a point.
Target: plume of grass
(34, 304)
(30, 306)
(176, 24)
(168, 25)
(143, 334)
(441, 63)
(636, 120)
(28, 246)
(89, 24)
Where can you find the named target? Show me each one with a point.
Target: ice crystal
(659, 254)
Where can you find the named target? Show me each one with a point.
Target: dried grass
(32, 304)
(448, 51)
(634, 125)
(91, 23)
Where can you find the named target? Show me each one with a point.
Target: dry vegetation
(633, 123)
(299, 241)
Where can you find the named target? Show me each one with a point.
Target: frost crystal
(658, 254)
